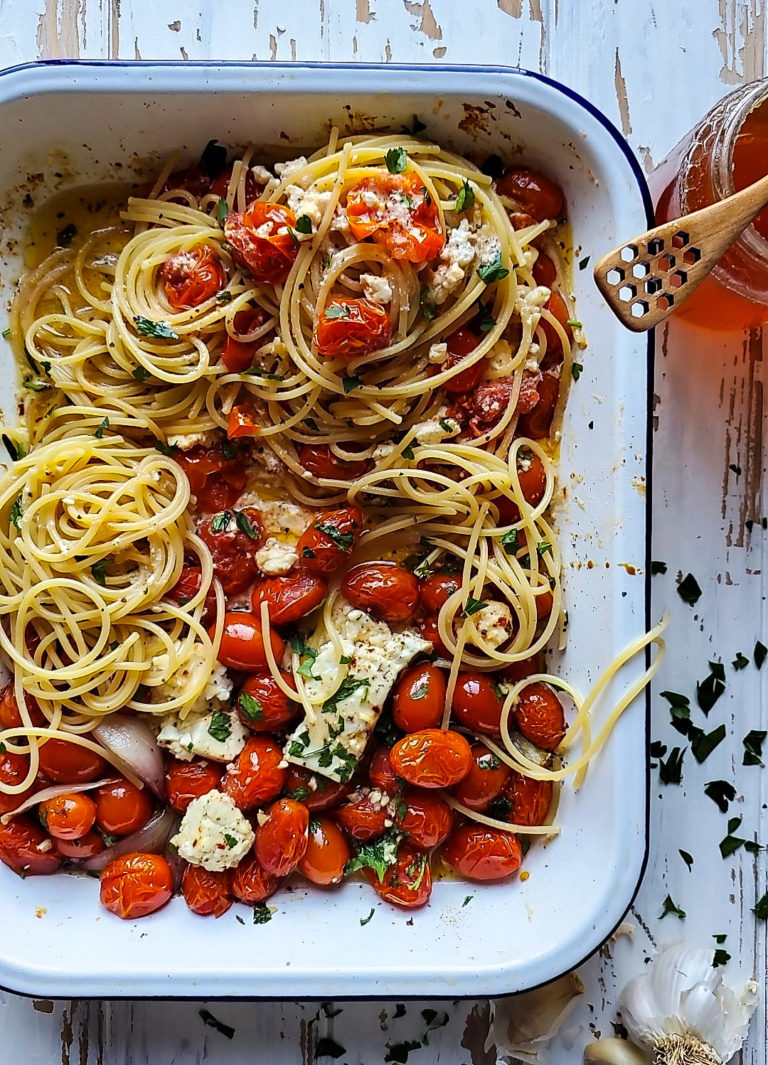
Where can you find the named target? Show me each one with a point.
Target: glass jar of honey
(724, 153)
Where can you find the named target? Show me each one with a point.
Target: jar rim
(757, 95)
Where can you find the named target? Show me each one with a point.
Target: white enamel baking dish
(72, 123)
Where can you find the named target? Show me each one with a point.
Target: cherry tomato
(327, 853)
(485, 781)
(26, 849)
(536, 194)
(381, 774)
(429, 630)
(185, 781)
(521, 220)
(526, 667)
(316, 792)
(251, 883)
(476, 703)
(190, 178)
(320, 461)
(290, 597)
(538, 421)
(242, 421)
(407, 882)
(220, 185)
(402, 216)
(88, 846)
(216, 482)
(135, 885)
(432, 758)
(539, 715)
(187, 587)
(192, 277)
(329, 541)
(544, 604)
(460, 343)
(233, 550)
(557, 306)
(281, 840)
(122, 808)
(263, 705)
(68, 816)
(530, 799)
(419, 698)
(426, 818)
(533, 484)
(480, 853)
(10, 716)
(487, 404)
(255, 777)
(349, 328)
(262, 242)
(238, 354)
(362, 818)
(544, 272)
(436, 590)
(13, 768)
(207, 893)
(384, 589)
(69, 763)
(242, 644)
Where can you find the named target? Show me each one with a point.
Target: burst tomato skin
(476, 703)
(381, 773)
(13, 769)
(20, 843)
(68, 816)
(460, 344)
(407, 882)
(274, 710)
(329, 541)
(88, 846)
(384, 589)
(215, 481)
(242, 643)
(416, 235)
(207, 893)
(255, 777)
(362, 819)
(186, 781)
(530, 799)
(419, 697)
(289, 597)
(122, 808)
(436, 590)
(316, 792)
(282, 840)
(192, 277)
(539, 715)
(268, 256)
(327, 853)
(232, 550)
(251, 883)
(349, 328)
(320, 461)
(426, 819)
(480, 853)
(69, 763)
(432, 758)
(238, 354)
(537, 195)
(136, 885)
(485, 781)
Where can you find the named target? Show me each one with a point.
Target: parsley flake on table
(658, 567)
(688, 589)
(213, 1022)
(671, 771)
(753, 747)
(721, 793)
(730, 843)
(761, 908)
(740, 661)
(668, 906)
(709, 690)
(759, 654)
(720, 957)
(364, 920)
(262, 913)
(687, 858)
(704, 743)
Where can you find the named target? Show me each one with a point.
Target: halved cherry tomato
(485, 781)
(220, 185)
(13, 768)
(407, 882)
(68, 816)
(319, 460)
(233, 549)
(429, 630)
(381, 774)
(436, 590)
(242, 644)
(255, 777)
(397, 211)
(537, 423)
(328, 542)
(26, 849)
(419, 698)
(425, 818)
(539, 715)
(530, 799)
(349, 328)
(533, 484)
(480, 853)
(362, 818)
(192, 277)
(544, 272)
(136, 885)
(289, 597)
(238, 354)
(69, 763)
(316, 792)
(536, 194)
(263, 705)
(262, 241)
(216, 482)
(10, 716)
(251, 883)
(88, 846)
(385, 589)
(460, 344)
(476, 703)
(207, 893)
(122, 808)
(185, 781)
(432, 758)
(327, 853)
(281, 840)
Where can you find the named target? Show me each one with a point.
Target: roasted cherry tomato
(363, 817)
(88, 846)
(185, 781)
(485, 781)
(242, 644)
(460, 344)
(316, 792)
(289, 597)
(537, 422)
(476, 702)
(327, 853)
(349, 328)
(480, 853)
(544, 272)
(135, 885)
(329, 541)
(13, 768)
(188, 585)
(242, 421)
(381, 774)
(68, 816)
(521, 220)
(10, 716)
(407, 882)
(536, 194)
(437, 589)
(398, 212)
(122, 808)
(556, 305)
(533, 484)
(262, 704)
(216, 482)
(385, 589)
(320, 461)
(429, 630)
(419, 698)
(233, 540)
(526, 667)
(281, 840)
(262, 241)
(251, 883)
(238, 354)
(539, 715)
(69, 763)
(425, 818)
(255, 777)
(26, 849)
(530, 799)
(190, 178)
(432, 758)
(192, 277)
(207, 893)
(220, 185)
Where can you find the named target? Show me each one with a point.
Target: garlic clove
(614, 1052)
(523, 1023)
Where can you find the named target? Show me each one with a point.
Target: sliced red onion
(133, 742)
(151, 839)
(176, 862)
(50, 793)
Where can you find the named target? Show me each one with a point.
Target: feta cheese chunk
(529, 306)
(192, 737)
(186, 441)
(376, 288)
(215, 691)
(213, 833)
(494, 624)
(435, 430)
(276, 557)
(285, 171)
(438, 352)
(310, 202)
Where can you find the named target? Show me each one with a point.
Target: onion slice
(151, 839)
(132, 742)
(50, 793)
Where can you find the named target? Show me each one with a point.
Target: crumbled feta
(286, 521)
(438, 353)
(383, 451)
(217, 689)
(276, 557)
(444, 280)
(191, 738)
(460, 246)
(213, 833)
(487, 247)
(377, 289)
(311, 202)
(434, 430)
(494, 623)
(529, 304)
(264, 230)
(186, 441)
(372, 200)
(340, 223)
(285, 171)
(500, 362)
(261, 175)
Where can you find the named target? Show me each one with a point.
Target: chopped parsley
(759, 654)
(364, 920)
(671, 770)
(465, 199)
(583, 263)
(342, 540)
(704, 743)
(347, 687)
(472, 606)
(328, 1048)
(262, 913)
(467, 900)
(251, 707)
(231, 841)
(224, 296)
(492, 271)
(721, 793)
(222, 209)
(574, 324)
(407, 452)
(103, 424)
(379, 855)
(688, 589)
(761, 908)
(350, 383)
(34, 385)
(97, 571)
(396, 160)
(508, 541)
(14, 449)
(140, 373)
(213, 1022)
(303, 224)
(221, 726)
(730, 843)
(668, 906)
(426, 306)
(145, 327)
(709, 690)
(14, 515)
(740, 661)
(576, 368)
(720, 957)
(658, 567)
(300, 647)
(166, 449)
(753, 747)
(542, 547)
(687, 858)
(485, 319)
(219, 522)
(245, 525)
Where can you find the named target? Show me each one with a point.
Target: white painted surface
(653, 68)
